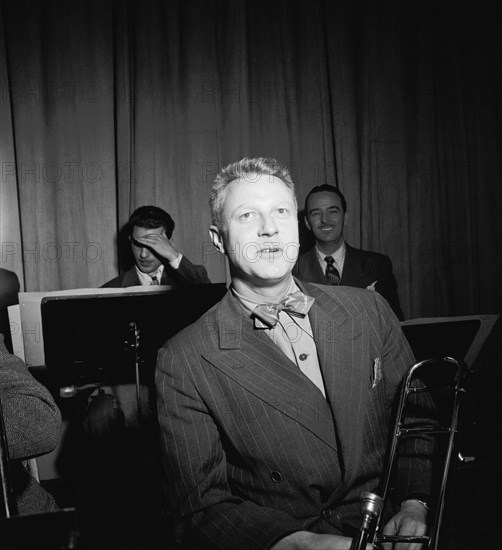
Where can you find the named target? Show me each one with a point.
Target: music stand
(458, 337)
(90, 336)
(462, 338)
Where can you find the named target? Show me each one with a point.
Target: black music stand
(470, 502)
(91, 337)
(459, 337)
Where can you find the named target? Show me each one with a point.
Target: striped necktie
(332, 274)
(154, 281)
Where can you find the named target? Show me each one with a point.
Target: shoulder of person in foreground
(349, 300)
(32, 418)
(341, 303)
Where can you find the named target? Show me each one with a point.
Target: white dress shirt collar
(145, 279)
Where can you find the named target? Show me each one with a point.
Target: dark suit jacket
(251, 449)
(361, 269)
(186, 274)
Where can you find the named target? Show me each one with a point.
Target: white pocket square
(377, 371)
(372, 286)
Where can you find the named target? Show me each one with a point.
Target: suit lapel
(353, 271)
(342, 353)
(130, 278)
(250, 358)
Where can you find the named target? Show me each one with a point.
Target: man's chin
(147, 269)
(269, 277)
(326, 235)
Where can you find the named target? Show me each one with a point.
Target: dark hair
(329, 189)
(151, 217)
(248, 169)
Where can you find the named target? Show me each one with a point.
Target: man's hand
(410, 520)
(160, 244)
(303, 540)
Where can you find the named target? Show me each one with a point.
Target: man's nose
(268, 226)
(144, 252)
(324, 217)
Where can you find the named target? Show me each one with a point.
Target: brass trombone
(372, 504)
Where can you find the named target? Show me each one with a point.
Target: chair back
(8, 507)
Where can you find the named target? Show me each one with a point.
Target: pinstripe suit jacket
(251, 449)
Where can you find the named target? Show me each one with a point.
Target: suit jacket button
(327, 513)
(276, 476)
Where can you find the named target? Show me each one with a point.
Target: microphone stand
(134, 345)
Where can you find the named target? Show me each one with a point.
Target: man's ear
(345, 218)
(307, 223)
(216, 238)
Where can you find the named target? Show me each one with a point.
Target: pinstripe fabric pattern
(251, 449)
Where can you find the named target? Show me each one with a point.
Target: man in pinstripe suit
(270, 432)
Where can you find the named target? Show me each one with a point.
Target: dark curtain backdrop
(106, 106)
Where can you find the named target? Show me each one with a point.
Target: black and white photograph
(250, 274)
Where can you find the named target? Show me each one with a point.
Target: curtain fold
(64, 140)
(10, 229)
(107, 106)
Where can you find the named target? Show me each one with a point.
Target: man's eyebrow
(241, 205)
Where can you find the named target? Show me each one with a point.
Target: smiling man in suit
(331, 261)
(274, 407)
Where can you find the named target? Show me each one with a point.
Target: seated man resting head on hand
(156, 261)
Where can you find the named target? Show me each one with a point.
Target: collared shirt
(294, 337)
(145, 279)
(338, 255)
